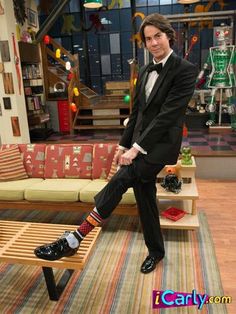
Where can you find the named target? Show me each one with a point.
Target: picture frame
(5, 51)
(7, 103)
(15, 126)
(1, 67)
(32, 17)
(8, 83)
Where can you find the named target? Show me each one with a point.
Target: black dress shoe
(150, 264)
(55, 250)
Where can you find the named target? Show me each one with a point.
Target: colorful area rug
(111, 282)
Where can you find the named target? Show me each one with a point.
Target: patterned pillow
(11, 165)
(68, 161)
(103, 154)
(33, 159)
(33, 156)
(113, 168)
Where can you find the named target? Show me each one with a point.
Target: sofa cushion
(34, 159)
(68, 161)
(102, 159)
(33, 156)
(57, 190)
(14, 190)
(11, 165)
(89, 191)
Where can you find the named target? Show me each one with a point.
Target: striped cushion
(113, 168)
(11, 165)
(102, 158)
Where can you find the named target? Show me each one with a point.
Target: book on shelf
(28, 91)
(34, 103)
(30, 103)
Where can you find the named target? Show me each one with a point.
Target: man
(151, 139)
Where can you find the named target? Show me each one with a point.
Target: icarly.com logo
(170, 298)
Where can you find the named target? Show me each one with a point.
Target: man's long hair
(160, 22)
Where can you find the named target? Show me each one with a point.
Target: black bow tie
(155, 67)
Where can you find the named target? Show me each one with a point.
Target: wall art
(1, 9)
(8, 83)
(7, 103)
(5, 52)
(1, 67)
(15, 126)
(32, 17)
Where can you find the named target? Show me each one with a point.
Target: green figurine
(186, 156)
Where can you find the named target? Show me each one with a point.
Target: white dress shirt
(152, 77)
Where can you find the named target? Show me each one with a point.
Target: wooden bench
(18, 240)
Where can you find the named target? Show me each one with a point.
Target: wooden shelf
(38, 119)
(187, 222)
(188, 191)
(185, 199)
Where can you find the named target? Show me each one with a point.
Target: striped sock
(92, 221)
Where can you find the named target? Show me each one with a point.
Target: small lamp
(92, 4)
(187, 1)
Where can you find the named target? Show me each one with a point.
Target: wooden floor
(218, 201)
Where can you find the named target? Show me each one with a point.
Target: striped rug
(111, 281)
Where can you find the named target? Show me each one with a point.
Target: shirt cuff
(122, 147)
(135, 145)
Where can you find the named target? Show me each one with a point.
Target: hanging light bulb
(188, 1)
(126, 98)
(92, 4)
(76, 91)
(73, 107)
(70, 76)
(58, 53)
(68, 65)
(46, 39)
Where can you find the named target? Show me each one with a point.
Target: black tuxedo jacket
(157, 125)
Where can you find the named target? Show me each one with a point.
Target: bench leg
(55, 290)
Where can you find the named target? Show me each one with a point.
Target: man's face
(156, 42)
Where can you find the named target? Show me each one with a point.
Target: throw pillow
(113, 168)
(11, 165)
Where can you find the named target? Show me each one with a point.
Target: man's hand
(117, 156)
(127, 157)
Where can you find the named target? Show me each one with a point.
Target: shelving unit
(185, 200)
(34, 90)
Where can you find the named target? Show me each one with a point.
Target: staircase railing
(57, 82)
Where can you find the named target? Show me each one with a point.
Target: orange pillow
(113, 168)
(11, 165)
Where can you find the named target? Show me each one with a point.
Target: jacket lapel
(161, 77)
(142, 87)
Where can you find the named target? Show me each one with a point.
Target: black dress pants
(140, 175)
